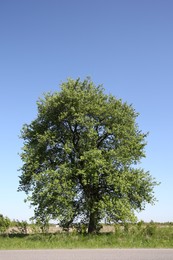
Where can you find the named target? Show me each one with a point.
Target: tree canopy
(80, 158)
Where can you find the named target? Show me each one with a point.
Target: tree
(80, 158)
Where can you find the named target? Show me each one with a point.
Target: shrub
(4, 224)
(150, 229)
(22, 226)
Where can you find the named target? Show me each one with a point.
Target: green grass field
(131, 236)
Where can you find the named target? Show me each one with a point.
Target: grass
(133, 236)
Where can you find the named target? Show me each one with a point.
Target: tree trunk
(92, 227)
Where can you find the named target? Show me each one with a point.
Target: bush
(34, 228)
(4, 224)
(117, 229)
(22, 226)
(150, 229)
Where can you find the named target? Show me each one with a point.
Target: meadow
(140, 235)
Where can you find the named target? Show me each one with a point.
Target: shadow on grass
(16, 235)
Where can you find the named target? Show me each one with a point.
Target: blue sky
(126, 45)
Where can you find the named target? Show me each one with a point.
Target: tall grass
(129, 236)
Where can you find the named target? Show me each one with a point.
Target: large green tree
(80, 158)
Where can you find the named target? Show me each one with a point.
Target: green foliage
(80, 155)
(4, 223)
(150, 229)
(44, 225)
(126, 227)
(22, 226)
(80, 228)
(35, 228)
(117, 229)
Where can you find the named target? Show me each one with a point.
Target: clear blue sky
(126, 45)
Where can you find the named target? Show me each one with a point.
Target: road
(88, 254)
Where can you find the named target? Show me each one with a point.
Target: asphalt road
(88, 254)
